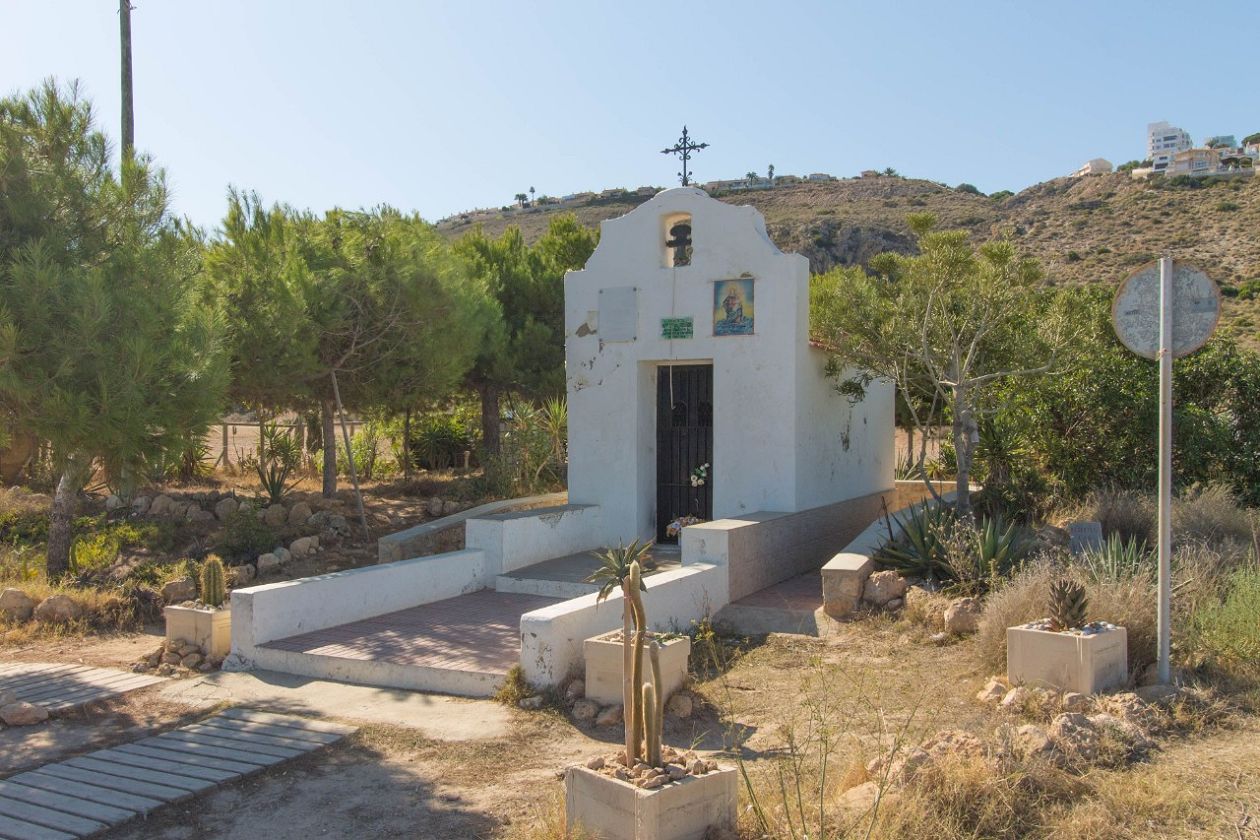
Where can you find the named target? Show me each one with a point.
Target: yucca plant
(278, 455)
(1068, 605)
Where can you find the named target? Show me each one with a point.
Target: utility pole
(128, 109)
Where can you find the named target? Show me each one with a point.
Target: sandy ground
(428, 767)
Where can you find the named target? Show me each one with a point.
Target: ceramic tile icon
(733, 307)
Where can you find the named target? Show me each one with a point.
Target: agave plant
(920, 547)
(980, 557)
(1117, 559)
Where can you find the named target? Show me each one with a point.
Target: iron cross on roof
(683, 148)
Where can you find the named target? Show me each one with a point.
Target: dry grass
(1212, 514)
(1126, 513)
(104, 611)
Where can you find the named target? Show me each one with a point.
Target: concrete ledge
(406, 544)
(522, 538)
(273, 611)
(551, 638)
(843, 578)
(749, 620)
(377, 673)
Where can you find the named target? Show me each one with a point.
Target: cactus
(213, 587)
(1067, 604)
(644, 705)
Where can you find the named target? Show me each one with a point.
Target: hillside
(1091, 230)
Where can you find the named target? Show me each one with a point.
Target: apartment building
(1163, 141)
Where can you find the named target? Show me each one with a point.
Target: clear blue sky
(444, 106)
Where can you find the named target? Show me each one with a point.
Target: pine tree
(106, 355)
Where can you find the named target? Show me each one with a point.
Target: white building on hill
(1163, 141)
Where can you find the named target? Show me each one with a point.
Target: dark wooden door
(684, 441)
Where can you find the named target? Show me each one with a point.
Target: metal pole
(1165, 463)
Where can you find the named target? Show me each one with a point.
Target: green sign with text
(677, 328)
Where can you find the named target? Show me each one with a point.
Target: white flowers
(700, 475)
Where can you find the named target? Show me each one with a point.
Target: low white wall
(273, 611)
(551, 637)
(515, 540)
(403, 545)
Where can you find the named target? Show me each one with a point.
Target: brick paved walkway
(475, 632)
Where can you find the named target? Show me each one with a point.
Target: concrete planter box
(611, 809)
(603, 656)
(1067, 661)
(210, 630)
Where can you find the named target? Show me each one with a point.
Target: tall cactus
(635, 715)
(654, 706)
(213, 585)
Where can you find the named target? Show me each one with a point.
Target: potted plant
(647, 789)
(208, 622)
(1064, 651)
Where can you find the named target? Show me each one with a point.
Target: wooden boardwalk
(59, 688)
(82, 796)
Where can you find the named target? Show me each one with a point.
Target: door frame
(676, 452)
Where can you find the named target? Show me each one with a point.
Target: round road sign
(1196, 310)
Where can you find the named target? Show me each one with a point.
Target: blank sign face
(619, 313)
(1196, 309)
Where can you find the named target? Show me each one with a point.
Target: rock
(172, 658)
(994, 690)
(283, 555)
(178, 510)
(894, 604)
(113, 502)
(266, 563)
(925, 606)
(16, 605)
(954, 742)
(531, 703)
(165, 670)
(140, 504)
(161, 506)
(436, 506)
(225, 508)
(242, 575)
(192, 660)
(1148, 693)
(575, 690)
(939, 638)
(58, 609)
(1032, 740)
(275, 515)
(585, 710)
(339, 525)
(179, 590)
(596, 763)
(1075, 734)
(22, 713)
(652, 782)
(696, 767)
(299, 513)
(882, 587)
(1129, 706)
(680, 705)
(1073, 701)
(196, 514)
(304, 546)
(675, 771)
(1124, 730)
(860, 798)
(246, 506)
(898, 767)
(962, 617)
(449, 507)
(1016, 698)
(609, 716)
(1053, 536)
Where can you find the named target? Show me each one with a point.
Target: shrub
(244, 537)
(23, 517)
(1124, 513)
(1117, 559)
(1227, 207)
(1226, 634)
(1211, 513)
(366, 446)
(440, 442)
(279, 453)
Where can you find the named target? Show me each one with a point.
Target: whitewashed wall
(779, 426)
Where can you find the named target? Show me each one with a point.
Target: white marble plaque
(619, 313)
